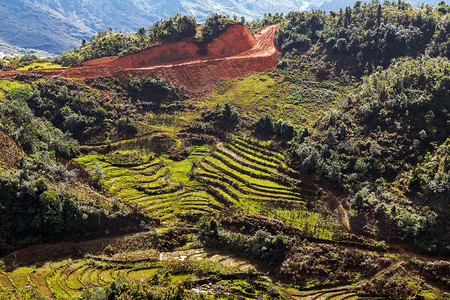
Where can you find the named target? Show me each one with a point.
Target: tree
(358, 202)
(264, 125)
(312, 161)
(51, 212)
(379, 13)
(347, 16)
(213, 227)
(141, 33)
(287, 130)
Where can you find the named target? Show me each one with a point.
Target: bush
(214, 26)
(33, 134)
(173, 29)
(285, 130)
(32, 210)
(127, 126)
(264, 126)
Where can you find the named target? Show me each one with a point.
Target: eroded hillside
(235, 53)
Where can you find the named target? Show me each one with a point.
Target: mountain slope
(58, 25)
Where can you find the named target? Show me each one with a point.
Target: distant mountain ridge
(57, 25)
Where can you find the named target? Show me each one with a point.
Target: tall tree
(379, 15)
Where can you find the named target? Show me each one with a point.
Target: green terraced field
(69, 278)
(8, 86)
(41, 66)
(161, 186)
(244, 173)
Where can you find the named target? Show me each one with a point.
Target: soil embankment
(234, 40)
(235, 53)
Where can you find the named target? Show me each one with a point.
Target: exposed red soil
(234, 40)
(235, 53)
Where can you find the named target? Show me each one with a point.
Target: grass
(162, 186)
(41, 66)
(8, 86)
(274, 94)
(309, 222)
(69, 278)
(172, 122)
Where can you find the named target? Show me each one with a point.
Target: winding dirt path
(343, 215)
(197, 75)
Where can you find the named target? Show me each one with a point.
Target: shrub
(173, 29)
(264, 125)
(214, 26)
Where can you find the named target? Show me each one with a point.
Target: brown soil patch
(237, 52)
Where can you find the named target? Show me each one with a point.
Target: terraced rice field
(69, 278)
(244, 173)
(339, 293)
(241, 173)
(200, 254)
(161, 186)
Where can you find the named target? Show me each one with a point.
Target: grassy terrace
(69, 278)
(44, 65)
(161, 186)
(244, 173)
(288, 95)
(8, 86)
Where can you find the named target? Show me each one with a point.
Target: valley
(232, 162)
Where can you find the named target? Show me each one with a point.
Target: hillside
(235, 52)
(303, 157)
(55, 26)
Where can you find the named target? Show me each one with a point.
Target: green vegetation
(389, 97)
(214, 26)
(12, 86)
(279, 94)
(360, 39)
(40, 65)
(26, 62)
(173, 29)
(325, 178)
(41, 200)
(267, 19)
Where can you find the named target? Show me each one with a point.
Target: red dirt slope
(235, 53)
(234, 40)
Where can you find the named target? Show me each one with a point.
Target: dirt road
(197, 75)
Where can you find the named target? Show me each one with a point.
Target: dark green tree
(379, 15)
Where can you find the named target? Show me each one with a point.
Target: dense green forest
(326, 177)
(375, 146)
